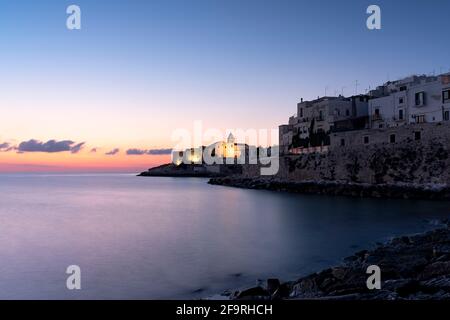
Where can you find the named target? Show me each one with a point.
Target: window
(342, 142)
(380, 126)
(417, 135)
(366, 140)
(400, 114)
(320, 115)
(301, 112)
(446, 115)
(403, 88)
(347, 112)
(401, 100)
(445, 96)
(392, 138)
(420, 118)
(420, 98)
(377, 112)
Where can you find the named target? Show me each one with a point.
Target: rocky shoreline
(336, 188)
(412, 268)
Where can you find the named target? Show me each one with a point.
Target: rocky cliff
(414, 162)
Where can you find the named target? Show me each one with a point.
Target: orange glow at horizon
(81, 162)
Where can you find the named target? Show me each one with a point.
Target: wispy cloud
(76, 148)
(139, 152)
(112, 152)
(93, 150)
(51, 146)
(5, 147)
(136, 152)
(159, 151)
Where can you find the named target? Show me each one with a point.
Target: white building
(319, 117)
(416, 99)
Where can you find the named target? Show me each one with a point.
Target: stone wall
(424, 161)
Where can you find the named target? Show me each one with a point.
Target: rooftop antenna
(356, 87)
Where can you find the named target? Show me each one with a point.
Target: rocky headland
(412, 268)
(172, 170)
(193, 170)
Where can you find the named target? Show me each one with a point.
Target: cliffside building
(415, 99)
(316, 119)
(327, 121)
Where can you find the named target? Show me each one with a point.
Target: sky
(139, 70)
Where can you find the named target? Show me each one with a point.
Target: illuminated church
(222, 149)
(228, 149)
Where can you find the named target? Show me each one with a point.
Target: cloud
(139, 152)
(136, 152)
(112, 152)
(159, 151)
(50, 146)
(5, 147)
(76, 148)
(93, 150)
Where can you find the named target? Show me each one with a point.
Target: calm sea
(169, 238)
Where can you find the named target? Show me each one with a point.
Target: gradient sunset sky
(138, 70)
